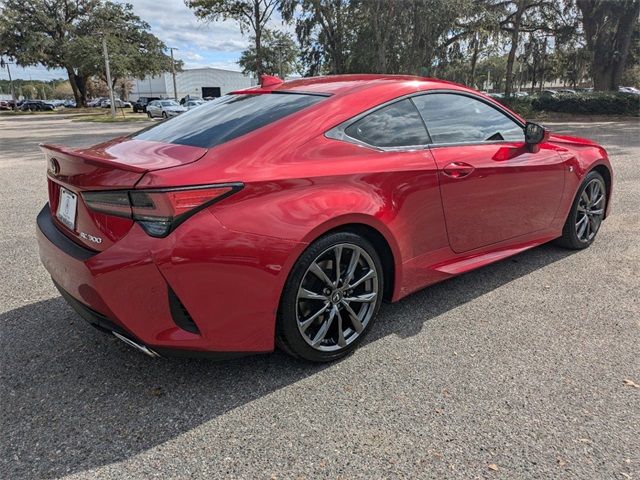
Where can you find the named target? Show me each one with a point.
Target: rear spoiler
(98, 157)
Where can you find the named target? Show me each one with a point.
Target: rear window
(227, 118)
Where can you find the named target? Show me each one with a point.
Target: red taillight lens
(158, 211)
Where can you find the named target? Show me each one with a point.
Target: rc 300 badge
(91, 238)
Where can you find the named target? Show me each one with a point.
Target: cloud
(176, 25)
(34, 73)
(192, 57)
(200, 44)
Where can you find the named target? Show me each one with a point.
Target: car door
(493, 187)
(152, 108)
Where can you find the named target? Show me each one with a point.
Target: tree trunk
(474, 61)
(339, 40)
(543, 64)
(381, 18)
(79, 87)
(515, 36)
(258, 37)
(608, 30)
(624, 34)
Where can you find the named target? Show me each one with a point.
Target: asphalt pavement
(528, 368)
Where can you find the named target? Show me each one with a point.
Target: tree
(40, 31)
(279, 54)
(67, 34)
(63, 89)
(250, 14)
(514, 17)
(361, 36)
(608, 27)
(133, 50)
(322, 30)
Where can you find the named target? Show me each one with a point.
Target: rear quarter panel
(333, 184)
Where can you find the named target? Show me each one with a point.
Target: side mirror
(534, 135)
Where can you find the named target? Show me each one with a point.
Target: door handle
(457, 169)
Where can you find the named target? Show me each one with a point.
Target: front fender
(581, 159)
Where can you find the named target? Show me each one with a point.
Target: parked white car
(119, 103)
(632, 90)
(164, 108)
(193, 104)
(96, 102)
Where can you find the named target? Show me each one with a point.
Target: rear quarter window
(229, 117)
(395, 125)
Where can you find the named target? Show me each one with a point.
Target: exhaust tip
(141, 348)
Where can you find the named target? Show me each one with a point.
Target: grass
(106, 118)
(61, 111)
(19, 112)
(69, 111)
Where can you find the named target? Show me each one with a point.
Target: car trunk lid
(115, 165)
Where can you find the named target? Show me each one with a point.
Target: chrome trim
(338, 132)
(462, 144)
(137, 346)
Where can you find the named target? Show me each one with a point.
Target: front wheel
(331, 298)
(586, 213)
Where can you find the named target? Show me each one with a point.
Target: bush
(597, 103)
(521, 105)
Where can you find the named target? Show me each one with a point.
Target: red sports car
(284, 214)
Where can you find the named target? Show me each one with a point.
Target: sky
(200, 44)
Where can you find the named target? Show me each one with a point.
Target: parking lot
(528, 368)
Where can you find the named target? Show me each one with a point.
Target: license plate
(67, 208)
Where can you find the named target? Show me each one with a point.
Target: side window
(453, 118)
(396, 125)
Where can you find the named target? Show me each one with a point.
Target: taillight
(158, 211)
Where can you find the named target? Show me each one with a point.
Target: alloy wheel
(337, 297)
(590, 210)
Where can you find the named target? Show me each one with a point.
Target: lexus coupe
(283, 215)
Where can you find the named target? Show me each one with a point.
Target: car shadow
(73, 399)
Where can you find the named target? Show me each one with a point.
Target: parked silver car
(631, 90)
(193, 104)
(164, 108)
(119, 103)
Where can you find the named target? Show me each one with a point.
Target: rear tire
(586, 214)
(325, 311)
(164, 115)
(149, 115)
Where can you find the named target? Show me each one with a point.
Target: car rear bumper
(165, 294)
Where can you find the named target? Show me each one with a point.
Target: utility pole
(108, 72)
(13, 92)
(173, 72)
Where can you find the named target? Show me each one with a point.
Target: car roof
(342, 84)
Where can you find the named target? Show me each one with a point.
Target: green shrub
(597, 103)
(521, 105)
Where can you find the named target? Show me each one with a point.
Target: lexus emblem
(54, 166)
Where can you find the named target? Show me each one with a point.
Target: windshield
(227, 118)
(169, 104)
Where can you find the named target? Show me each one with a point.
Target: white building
(197, 82)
